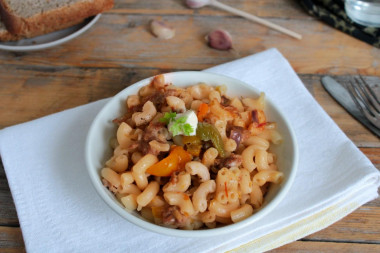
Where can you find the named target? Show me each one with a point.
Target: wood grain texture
(262, 8)
(326, 247)
(11, 240)
(134, 46)
(46, 90)
(120, 50)
(361, 226)
(8, 215)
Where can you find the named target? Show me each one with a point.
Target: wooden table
(120, 50)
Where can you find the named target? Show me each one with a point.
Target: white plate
(51, 39)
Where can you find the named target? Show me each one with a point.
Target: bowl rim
(96, 182)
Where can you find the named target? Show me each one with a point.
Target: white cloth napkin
(59, 210)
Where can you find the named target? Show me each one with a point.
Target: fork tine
(366, 97)
(360, 104)
(354, 96)
(370, 94)
(370, 89)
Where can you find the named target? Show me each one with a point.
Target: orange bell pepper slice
(176, 160)
(183, 156)
(203, 110)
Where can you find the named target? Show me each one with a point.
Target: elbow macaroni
(177, 104)
(206, 191)
(197, 168)
(181, 184)
(209, 157)
(147, 195)
(200, 195)
(147, 114)
(181, 200)
(138, 170)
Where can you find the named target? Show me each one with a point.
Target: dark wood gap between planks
(337, 241)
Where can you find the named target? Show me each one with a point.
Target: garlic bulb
(219, 39)
(194, 4)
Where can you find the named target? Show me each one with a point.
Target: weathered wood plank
(363, 225)
(326, 247)
(263, 8)
(8, 215)
(125, 41)
(47, 90)
(373, 154)
(11, 240)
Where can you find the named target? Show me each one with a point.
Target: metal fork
(365, 99)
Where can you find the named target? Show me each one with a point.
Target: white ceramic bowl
(102, 129)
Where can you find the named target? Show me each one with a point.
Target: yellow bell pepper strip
(207, 132)
(193, 144)
(194, 149)
(176, 160)
(191, 140)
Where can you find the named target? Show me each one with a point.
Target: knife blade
(341, 95)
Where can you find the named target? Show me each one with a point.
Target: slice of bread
(5, 35)
(30, 18)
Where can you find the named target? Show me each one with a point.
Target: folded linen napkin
(59, 210)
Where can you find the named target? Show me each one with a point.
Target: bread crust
(51, 20)
(7, 36)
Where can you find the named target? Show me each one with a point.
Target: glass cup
(364, 12)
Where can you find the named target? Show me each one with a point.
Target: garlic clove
(162, 30)
(219, 39)
(195, 4)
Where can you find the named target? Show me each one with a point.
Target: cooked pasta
(129, 201)
(192, 158)
(179, 183)
(209, 157)
(241, 213)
